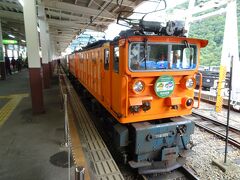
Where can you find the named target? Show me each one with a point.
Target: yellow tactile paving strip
(9, 107)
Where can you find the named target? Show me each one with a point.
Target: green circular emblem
(164, 86)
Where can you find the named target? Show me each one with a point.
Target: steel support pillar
(189, 15)
(49, 52)
(30, 22)
(230, 51)
(44, 46)
(52, 54)
(2, 61)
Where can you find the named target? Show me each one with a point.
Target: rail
(179, 173)
(188, 173)
(217, 128)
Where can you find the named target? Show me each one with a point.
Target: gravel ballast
(207, 148)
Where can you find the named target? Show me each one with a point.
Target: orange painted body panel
(114, 90)
(76, 65)
(72, 64)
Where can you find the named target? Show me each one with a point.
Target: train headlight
(138, 86)
(187, 102)
(190, 83)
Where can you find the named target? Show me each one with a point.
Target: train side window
(106, 59)
(116, 59)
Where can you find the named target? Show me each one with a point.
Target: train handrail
(126, 78)
(199, 89)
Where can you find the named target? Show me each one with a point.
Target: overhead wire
(93, 19)
(143, 13)
(157, 10)
(119, 4)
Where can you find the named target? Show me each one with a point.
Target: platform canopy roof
(66, 18)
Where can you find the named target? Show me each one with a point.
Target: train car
(210, 80)
(146, 82)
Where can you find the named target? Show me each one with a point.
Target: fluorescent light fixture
(9, 41)
(10, 35)
(23, 40)
(21, 2)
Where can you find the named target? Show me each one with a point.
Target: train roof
(101, 42)
(203, 42)
(94, 45)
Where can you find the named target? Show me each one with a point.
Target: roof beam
(126, 3)
(77, 9)
(64, 30)
(211, 14)
(61, 43)
(67, 41)
(208, 5)
(11, 15)
(90, 2)
(73, 18)
(63, 36)
(72, 24)
(7, 4)
(67, 16)
(101, 7)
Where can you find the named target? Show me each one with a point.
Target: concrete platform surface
(28, 142)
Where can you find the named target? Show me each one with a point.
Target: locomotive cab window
(116, 59)
(156, 56)
(106, 59)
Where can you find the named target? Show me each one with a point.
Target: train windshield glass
(153, 56)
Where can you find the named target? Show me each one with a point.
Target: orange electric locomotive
(145, 79)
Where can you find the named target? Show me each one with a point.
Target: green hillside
(212, 29)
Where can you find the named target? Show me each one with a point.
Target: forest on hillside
(212, 29)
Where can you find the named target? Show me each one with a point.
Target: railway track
(211, 99)
(217, 128)
(181, 173)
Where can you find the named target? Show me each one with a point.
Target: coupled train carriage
(146, 82)
(210, 79)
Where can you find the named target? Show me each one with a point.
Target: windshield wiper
(190, 50)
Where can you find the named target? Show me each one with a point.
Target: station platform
(31, 145)
(208, 109)
(211, 97)
(40, 147)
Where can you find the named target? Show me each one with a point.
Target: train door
(106, 79)
(116, 80)
(76, 57)
(72, 64)
(94, 71)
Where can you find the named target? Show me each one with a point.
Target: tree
(212, 29)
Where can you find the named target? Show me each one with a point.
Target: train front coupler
(161, 147)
